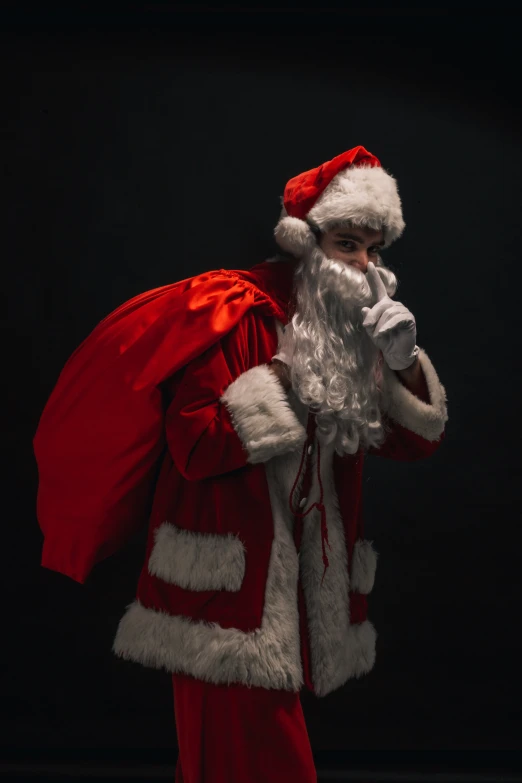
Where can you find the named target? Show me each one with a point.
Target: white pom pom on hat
(351, 188)
(293, 234)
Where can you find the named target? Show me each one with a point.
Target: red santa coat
(233, 587)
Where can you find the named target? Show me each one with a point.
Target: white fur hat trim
(365, 196)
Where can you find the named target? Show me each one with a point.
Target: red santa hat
(351, 189)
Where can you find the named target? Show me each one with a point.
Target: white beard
(336, 368)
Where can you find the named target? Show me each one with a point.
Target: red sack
(101, 433)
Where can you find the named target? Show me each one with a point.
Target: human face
(354, 245)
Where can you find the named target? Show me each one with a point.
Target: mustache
(347, 282)
(337, 284)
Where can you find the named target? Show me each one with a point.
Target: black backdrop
(144, 147)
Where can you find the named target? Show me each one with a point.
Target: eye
(343, 242)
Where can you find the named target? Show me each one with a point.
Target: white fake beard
(336, 368)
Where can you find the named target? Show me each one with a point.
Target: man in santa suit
(256, 571)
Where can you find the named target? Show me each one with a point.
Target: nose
(361, 261)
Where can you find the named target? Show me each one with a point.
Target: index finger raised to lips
(376, 284)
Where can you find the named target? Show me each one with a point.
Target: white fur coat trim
(270, 657)
(260, 414)
(361, 196)
(339, 649)
(197, 561)
(427, 420)
(223, 656)
(267, 657)
(363, 567)
(206, 561)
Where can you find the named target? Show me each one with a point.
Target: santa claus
(256, 571)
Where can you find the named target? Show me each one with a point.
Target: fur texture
(363, 196)
(359, 196)
(339, 650)
(414, 414)
(258, 407)
(197, 561)
(293, 235)
(269, 656)
(364, 566)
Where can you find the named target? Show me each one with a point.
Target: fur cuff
(262, 416)
(427, 420)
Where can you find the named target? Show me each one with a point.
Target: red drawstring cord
(319, 505)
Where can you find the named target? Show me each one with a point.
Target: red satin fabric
(302, 191)
(101, 434)
(234, 734)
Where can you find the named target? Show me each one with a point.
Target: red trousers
(236, 734)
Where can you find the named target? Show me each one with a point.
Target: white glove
(390, 325)
(285, 351)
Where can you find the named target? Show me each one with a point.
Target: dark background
(145, 145)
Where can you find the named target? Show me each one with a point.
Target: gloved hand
(390, 325)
